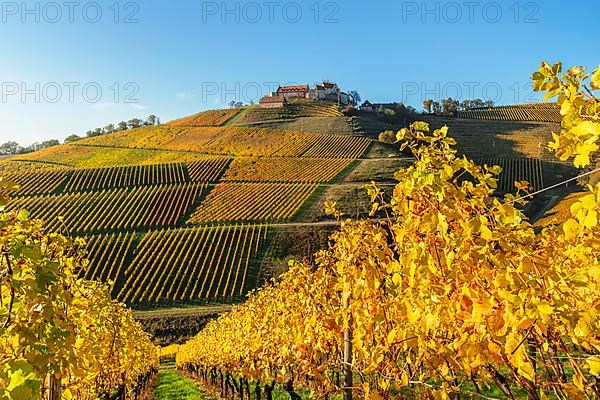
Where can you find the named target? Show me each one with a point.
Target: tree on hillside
(95, 132)
(477, 103)
(465, 105)
(72, 138)
(450, 106)
(151, 120)
(50, 143)
(232, 104)
(34, 147)
(437, 109)
(10, 148)
(354, 98)
(134, 123)
(109, 128)
(122, 126)
(427, 105)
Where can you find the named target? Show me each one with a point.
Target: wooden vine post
(55, 388)
(347, 368)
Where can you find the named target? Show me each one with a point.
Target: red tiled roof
(296, 88)
(272, 99)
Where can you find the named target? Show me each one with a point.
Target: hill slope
(183, 214)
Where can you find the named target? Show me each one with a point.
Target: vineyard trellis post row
(348, 352)
(55, 392)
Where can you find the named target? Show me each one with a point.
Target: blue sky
(70, 67)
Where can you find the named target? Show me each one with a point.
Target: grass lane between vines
(171, 386)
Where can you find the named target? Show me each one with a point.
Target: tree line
(450, 106)
(14, 148)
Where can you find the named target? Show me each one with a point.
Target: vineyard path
(172, 386)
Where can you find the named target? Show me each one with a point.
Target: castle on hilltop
(327, 91)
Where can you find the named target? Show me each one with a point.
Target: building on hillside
(291, 92)
(367, 106)
(344, 98)
(273, 101)
(328, 91)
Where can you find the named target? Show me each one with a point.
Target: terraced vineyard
(312, 108)
(325, 146)
(164, 137)
(285, 170)
(148, 199)
(124, 177)
(33, 183)
(338, 147)
(212, 264)
(502, 139)
(231, 202)
(517, 169)
(108, 255)
(71, 180)
(88, 156)
(114, 210)
(229, 141)
(542, 112)
(295, 109)
(207, 170)
(323, 125)
(207, 118)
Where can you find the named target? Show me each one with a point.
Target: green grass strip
(171, 386)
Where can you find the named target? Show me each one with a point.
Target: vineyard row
(122, 177)
(113, 210)
(198, 265)
(517, 169)
(166, 206)
(269, 169)
(236, 141)
(514, 113)
(252, 202)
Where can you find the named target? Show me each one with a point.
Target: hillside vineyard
(196, 211)
(193, 229)
(215, 200)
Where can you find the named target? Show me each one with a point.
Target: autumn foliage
(59, 331)
(454, 293)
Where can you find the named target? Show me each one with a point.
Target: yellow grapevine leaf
(486, 233)
(392, 336)
(578, 381)
(330, 207)
(404, 379)
(593, 363)
(545, 310)
(526, 371)
(586, 128)
(596, 79)
(571, 229)
(591, 220)
(421, 126)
